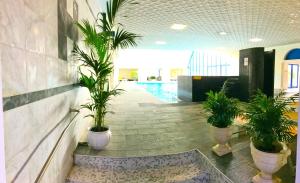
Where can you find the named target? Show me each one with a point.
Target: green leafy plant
(268, 121)
(222, 108)
(102, 40)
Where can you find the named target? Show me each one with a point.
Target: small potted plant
(152, 78)
(269, 128)
(223, 111)
(102, 40)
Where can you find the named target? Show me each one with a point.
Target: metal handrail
(50, 157)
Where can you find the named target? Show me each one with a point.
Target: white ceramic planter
(222, 136)
(268, 164)
(98, 140)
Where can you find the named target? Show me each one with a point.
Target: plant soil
(101, 129)
(276, 148)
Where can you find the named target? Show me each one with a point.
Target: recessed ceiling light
(178, 26)
(160, 42)
(256, 39)
(223, 33)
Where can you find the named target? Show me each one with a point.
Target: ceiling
(277, 22)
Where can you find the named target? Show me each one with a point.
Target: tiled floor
(142, 125)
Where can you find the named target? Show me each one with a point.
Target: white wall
(149, 61)
(280, 71)
(134, 58)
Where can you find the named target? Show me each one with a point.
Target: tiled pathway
(142, 126)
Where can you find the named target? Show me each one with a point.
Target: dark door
(251, 72)
(269, 73)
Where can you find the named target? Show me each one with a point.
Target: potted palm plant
(223, 111)
(269, 128)
(102, 40)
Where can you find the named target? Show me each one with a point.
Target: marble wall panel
(17, 139)
(36, 72)
(56, 72)
(12, 24)
(14, 76)
(51, 44)
(29, 39)
(31, 123)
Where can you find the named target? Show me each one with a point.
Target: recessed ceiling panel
(276, 22)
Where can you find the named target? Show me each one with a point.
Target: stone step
(136, 162)
(188, 173)
(186, 167)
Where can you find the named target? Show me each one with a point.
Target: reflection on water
(166, 92)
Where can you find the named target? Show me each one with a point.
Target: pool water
(166, 92)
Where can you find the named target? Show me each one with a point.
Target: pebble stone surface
(192, 167)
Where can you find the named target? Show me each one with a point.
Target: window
(205, 63)
(293, 73)
(293, 54)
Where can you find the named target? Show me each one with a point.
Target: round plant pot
(98, 140)
(222, 136)
(268, 164)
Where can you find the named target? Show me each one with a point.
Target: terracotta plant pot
(222, 136)
(268, 163)
(98, 140)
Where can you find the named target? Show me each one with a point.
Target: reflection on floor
(144, 126)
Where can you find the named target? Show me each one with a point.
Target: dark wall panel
(251, 72)
(194, 88)
(206, 84)
(269, 73)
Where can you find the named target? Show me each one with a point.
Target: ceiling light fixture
(160, 42)
(255, 40)
(178, 26)
(223, 33)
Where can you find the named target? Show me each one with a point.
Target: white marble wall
(29, 62)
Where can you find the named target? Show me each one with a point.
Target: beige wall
(281, 64)
(29, 60)
(128, 74)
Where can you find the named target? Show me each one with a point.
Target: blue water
(166, 92)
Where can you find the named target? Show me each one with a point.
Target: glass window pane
(295, 76)
(290, 76)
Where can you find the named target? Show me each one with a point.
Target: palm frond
(223, 109)
(124, 39)
(102, 42)
(112, 8)
(269, 123)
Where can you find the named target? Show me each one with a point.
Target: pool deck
(143, 125)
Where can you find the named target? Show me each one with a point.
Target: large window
(205, 63)
(293, 75)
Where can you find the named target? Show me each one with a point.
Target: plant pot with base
(269, 128)
(222, 136)
(222, 110)
(268, 163)
(102, 39)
